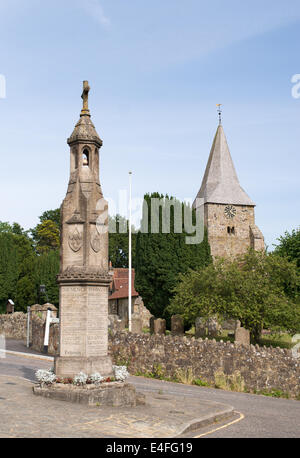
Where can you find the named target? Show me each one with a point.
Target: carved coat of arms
(96, 242)
(75, 240)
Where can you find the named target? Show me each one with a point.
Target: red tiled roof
(119, 285)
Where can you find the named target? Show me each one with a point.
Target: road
(264, 416)
(257, 416)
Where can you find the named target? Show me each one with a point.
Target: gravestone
(151, 324)
(115, 324)
(139, 307)
(136, 324)
(242, 336)
(200, 327)
(177, 326)
(213, 327)
(159, 326)
(229, 324)
(237, 324)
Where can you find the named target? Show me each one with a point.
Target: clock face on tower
(230, 211)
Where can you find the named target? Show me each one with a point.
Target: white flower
(80, 379)
(45, 377)
(96, 378)
(120, 373)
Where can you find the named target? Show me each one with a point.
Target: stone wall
(53, 347)
(14, 326)
(38, 334)
(38, 331)
(261, 368)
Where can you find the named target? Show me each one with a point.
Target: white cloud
(94, 9)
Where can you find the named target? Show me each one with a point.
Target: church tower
(228, 210)
(84, 275)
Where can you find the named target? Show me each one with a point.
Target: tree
(46, 270)
(15, 228)
(51, 215)
(17, 279)
(161, 257)
(262, 291)
(47, 236)
(18, 229)
(8, 268)
(289, 246)
(26, 263)
(5, 227)
(119, 242)
(26, 285)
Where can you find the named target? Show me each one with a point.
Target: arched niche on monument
(74, 159)
(86, 157)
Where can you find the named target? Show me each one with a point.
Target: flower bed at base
(93, 390)
(47, 378)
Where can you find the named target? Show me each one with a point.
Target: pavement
(172, 410)
(25, 415)
(19, 346)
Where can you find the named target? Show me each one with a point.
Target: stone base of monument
(115, 394)
(69, 366)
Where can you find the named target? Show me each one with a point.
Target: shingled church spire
(228, 210)
(220, 184)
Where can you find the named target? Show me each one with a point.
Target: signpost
(28, 327)
(49, 320)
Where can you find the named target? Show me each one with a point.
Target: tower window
(230, 230)
(85, 158)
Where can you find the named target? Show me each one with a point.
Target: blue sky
(156, 71)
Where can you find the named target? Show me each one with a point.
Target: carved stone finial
(85, 97)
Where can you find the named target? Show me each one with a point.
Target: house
(118, 293)
(118, 298)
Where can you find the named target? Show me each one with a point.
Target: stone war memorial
(85, 275)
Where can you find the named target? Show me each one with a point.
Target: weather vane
(219, 112)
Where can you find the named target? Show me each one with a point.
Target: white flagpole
(129, 260)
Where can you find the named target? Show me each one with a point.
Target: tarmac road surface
(255, 416)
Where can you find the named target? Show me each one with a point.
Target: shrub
(233, 382)
(80, 379)
(120, 373)
(185, 376)
(96, 378)
(199, 382)
(45, 377)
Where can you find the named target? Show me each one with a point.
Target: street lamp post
(42, 290)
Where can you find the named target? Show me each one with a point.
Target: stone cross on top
(85, 97)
